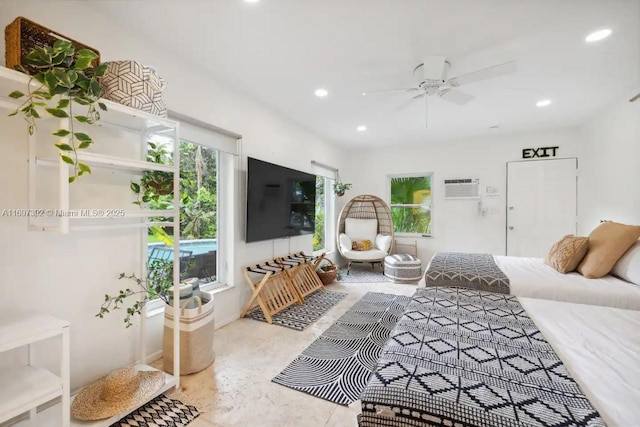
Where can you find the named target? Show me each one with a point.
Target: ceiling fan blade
(433, 67)
(371, 92)
(456, 96)
(409, 102)
(483, 74)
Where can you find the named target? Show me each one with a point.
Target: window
(323, 234)
(411, 203)
(198, 215)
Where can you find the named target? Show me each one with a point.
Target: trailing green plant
(65, 75)
(340, 187)
(154, 186)
(157, 284)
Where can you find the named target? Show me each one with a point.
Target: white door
(541, 204)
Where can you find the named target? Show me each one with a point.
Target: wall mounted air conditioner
(466, 188)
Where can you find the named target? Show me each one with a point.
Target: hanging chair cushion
(370, 255)
(361, 229)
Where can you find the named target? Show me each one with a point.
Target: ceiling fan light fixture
(361, 128)
(321, 92)
(543, 103)
(598, 35)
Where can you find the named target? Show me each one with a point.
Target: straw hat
(119, 392)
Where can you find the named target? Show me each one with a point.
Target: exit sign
(532, 153)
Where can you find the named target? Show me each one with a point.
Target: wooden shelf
(169, 382)
(25, 388)
(111, 162)
(116, 114)
(18, 329)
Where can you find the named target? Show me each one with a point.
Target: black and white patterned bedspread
(460, 357)
(476, 271)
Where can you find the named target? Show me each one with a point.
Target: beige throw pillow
(607, 243)
(566, 253)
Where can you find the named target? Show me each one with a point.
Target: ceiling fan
(432, 80)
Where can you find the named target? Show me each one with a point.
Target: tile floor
(237, 389)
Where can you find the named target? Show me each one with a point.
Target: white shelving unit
(23, 389)
(123, 118)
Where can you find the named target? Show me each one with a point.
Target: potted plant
(340, 187)
(157, 285)
(64, 75)
(155, 184)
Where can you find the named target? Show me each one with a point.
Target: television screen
(280, 201)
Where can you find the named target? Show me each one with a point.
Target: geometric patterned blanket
(461, 357)
(475, 271)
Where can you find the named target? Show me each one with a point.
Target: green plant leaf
(63, 103)
(51, 81)
(61, 133)
(31, 129)
(101, 69)
(71, 179)
(67, 159)
(73, 76)
(64, 147)
(135, 187)
(94, 88)
(84, 144)
(59, 90)
(34, 113)
(83, 62)
(82, 136)
(35, 58)
(62, 45)
(16, 94)
(82, 119)
(56, 112)
(13, 114)
(84, 167)
(102, 106)
(58, 58)
(63, 77)
(87, 53)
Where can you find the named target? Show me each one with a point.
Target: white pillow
(383, 242)
(628, 267)
(345, 242)
(361, 229)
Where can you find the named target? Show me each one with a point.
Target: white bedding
(600, 346)
(531, 277)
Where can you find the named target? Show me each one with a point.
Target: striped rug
(337, 365)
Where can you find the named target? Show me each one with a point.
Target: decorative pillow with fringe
(362, 245)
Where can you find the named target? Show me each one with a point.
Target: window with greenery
(198, 215)
(319, 237)
(411, 206)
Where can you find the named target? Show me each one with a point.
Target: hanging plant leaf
(56, 112)
(67, 159)
(16, 94)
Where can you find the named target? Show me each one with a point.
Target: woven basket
(22, 35)
(327, 277)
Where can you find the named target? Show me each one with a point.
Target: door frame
(506, 194)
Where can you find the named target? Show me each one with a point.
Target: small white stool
(402, 268)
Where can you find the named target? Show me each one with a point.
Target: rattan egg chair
(363, 218)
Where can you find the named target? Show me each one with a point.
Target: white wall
(67, 275)
(457, 225)
(609, 174)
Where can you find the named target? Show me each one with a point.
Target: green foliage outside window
(411, 204)
(318, 235)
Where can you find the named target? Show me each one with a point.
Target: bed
(528, 277)
(461, 357)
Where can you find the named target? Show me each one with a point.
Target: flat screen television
(280, 201)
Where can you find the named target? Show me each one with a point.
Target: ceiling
(280, 51)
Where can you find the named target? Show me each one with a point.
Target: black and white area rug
(337, 365)
(362, 273)
(160, 412)
(300, 317)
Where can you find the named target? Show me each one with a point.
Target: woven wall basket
(134, 85)
(22, 35)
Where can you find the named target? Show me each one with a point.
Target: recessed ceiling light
(543, 103)
(321, 93)
(252, 1)
(598, 35)
(361, 128)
